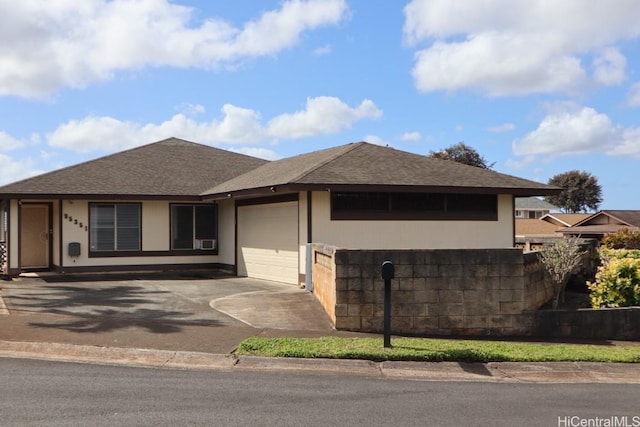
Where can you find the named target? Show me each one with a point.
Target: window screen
(114, 227)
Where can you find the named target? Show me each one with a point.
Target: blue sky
(539, 87)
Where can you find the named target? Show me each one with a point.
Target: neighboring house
(176, 204)
(532, 233)
(533, 207)
(604, 222)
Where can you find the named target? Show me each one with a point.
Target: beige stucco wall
(155, 237)
(226, 232)
(412, 234)
(155, 226)
(71, 232)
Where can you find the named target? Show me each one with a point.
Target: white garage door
(268, 241)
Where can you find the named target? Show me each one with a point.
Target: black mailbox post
(388, 273)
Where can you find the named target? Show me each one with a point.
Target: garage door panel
(268, 242)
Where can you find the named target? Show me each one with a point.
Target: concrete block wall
(597, 324)
(324, 277)
(435, 292)
(538, 287)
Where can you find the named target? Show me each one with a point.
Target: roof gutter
(380, 188)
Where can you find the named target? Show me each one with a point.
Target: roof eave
(287, 188)
(43, 196)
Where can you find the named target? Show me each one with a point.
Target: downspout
(308, 274)
(19, 256)
(60, 246)
(235, 237)
(4, 256)
(513, 221)
(8, 239)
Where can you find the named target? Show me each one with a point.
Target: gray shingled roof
(533, 203)
(364, 164)
(172, 167)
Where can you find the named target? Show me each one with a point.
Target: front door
(34, 236)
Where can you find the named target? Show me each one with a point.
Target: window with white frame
(194, 227)
(114, 227)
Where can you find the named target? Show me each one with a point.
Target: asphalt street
(69, 394)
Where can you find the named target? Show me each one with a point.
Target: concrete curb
(116, 355)
(3, 307)
(554, 372)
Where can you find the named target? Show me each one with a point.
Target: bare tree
(560, 260)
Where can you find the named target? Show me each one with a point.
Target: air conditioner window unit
(206, 244)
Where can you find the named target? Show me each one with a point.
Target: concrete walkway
(198, 322)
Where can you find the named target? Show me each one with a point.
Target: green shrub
(622, 239)
(617, 280)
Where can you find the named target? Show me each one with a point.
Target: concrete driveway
(166, 300)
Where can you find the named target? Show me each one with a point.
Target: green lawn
(436, 350)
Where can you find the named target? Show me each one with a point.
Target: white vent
(206, 244)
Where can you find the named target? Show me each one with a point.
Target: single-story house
(178, 204)
(604, 222)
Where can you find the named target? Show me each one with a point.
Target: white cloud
(322, 116)
(375, 139)
(633, 97)
(324, 50)
(66, 43)
(521, 163)
(262, 153)
(15, 170)
(191, 109)
(501, 47)
(411, 136)
(628, 144)
(577, 132)
(609, 67)
(7, 142)
(506, 127)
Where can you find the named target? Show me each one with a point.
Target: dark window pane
(205, 222)
(102, 225)
(417, 202)
(128, 216)
(181, 227)
(128, 239)
(413, 206)
(472, 203)
(103, 240)
(360, 201)
(114, 227)
(128, 223)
